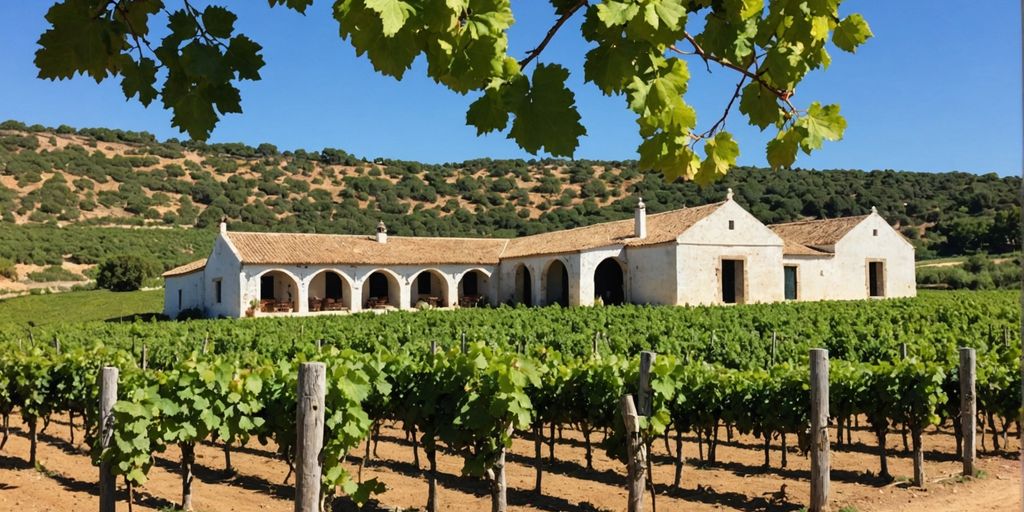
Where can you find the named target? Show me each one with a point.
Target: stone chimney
(640, 220)
(223, 226)
(382, 233)
(728, 195)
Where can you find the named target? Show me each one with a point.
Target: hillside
(82, 180)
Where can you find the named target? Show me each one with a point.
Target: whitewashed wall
(223, 264)
(189, 287)
(861, 245)
(703, 246)
(814, 276)
(652, 274)
(844, 276)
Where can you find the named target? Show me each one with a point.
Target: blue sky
(937, 89)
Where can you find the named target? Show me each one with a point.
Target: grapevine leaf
(614, 13)
(488, 113)
(782, 149)
(722, 152)
(296, 5)
(218, 21)
(547, 117)
(77, 42)
(820, 124)
(851, 32)
(243, 56)
(393, 14)
(138, 79)
(760, 105)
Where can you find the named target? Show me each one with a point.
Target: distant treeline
(152, 183)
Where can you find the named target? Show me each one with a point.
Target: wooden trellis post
(643, 387)
(636, 462)
(108, 395)
(968, 408)
(309, 435)
(820, 465)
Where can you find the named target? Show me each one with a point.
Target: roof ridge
(812, 221)
(627, 219)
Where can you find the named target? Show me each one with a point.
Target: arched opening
(330, 291)
(609, 282)
(279, 292)
(381, 290)
(429, 288)
(556, 284)
(473, 289)
(524, 286)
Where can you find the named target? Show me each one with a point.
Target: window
(874, 232)
(732, 224)
(789, 273)
(179, 300)
(217, 290)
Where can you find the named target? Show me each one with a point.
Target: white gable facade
(714, 254)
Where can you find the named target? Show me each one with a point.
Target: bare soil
(737, 481)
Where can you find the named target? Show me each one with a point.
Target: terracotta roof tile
(187, 268)
(661, 228)
(321, 249)
(817, 233)
(795, 249)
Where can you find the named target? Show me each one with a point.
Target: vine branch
(532, 54)
(781, 94)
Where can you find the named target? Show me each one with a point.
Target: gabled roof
(187, 268)
(661, 228)
(818, 236)
(321, 249)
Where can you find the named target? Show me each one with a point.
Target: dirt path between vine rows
(737, 481)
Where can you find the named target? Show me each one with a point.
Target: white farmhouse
(713, 254)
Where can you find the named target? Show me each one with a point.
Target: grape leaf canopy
(645, 51)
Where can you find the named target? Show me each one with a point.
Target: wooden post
(903, 350)
(820, 469)
(643, 385)
(773, 346)
(108, 395)
(145, 361)
(593, 351)
(56, 345)
(968, 408)
(463, 342)
(310, 435)
(433, 347)
(636, 462)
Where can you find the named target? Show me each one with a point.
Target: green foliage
(125, 273)
(8, 270)
(80, 306)
(978, 272)
(465, 46)
(54, 273)
(538, 367)
(332, 191)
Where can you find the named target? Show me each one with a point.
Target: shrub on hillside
(54, 273)
(126, 272)
(7, 269)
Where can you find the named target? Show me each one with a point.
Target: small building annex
(713, 254)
